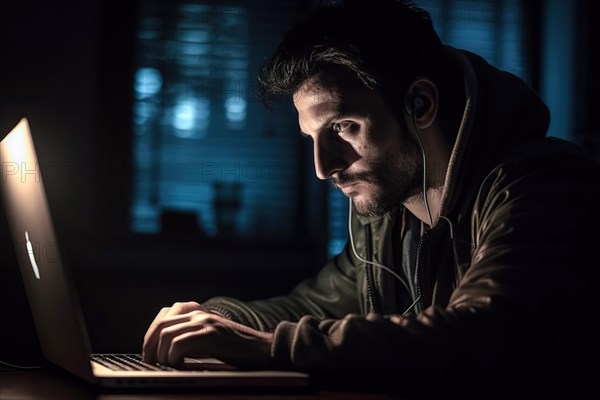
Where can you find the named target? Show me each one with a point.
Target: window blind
(207, 156)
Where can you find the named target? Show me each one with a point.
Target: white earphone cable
(378, 265)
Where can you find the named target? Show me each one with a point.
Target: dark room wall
(49, 74)
(66, 66)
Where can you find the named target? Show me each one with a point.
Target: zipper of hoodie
(419, 300)
(369, 270)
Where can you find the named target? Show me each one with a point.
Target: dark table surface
(51, 384)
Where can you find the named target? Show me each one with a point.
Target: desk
(48, 384)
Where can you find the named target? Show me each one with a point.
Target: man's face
(359, 145)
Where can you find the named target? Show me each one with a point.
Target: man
(469, 250)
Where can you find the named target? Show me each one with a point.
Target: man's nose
(329, 158)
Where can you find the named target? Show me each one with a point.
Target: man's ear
(421, 102)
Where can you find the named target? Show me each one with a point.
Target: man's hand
(189, 330)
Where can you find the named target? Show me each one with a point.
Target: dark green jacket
(505, 279)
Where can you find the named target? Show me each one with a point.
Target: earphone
(415, 105)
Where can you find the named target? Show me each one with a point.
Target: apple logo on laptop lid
(34, 265)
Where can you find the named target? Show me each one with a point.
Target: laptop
(55, 308)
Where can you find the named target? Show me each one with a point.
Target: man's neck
(416, 205)
(436, 178)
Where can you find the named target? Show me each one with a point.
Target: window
(490, 28)
(207, 157)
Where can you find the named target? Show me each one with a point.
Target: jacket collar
(501, 112)
(457, 157)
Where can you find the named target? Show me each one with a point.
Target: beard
(392, 181)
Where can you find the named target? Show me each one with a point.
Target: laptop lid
(54, 306)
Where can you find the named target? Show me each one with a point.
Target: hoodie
(503, 283)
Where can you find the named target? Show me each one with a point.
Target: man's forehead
(315, 92)
(331, 94)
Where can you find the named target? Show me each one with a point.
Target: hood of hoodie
(501, 112)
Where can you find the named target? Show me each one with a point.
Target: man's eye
(340, 127)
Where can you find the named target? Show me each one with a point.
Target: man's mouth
(347, 187)
(349, 183)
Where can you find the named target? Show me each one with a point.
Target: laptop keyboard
(127, 362)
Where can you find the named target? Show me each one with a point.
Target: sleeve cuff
(283, 342)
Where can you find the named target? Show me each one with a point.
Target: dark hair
(386, 43)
